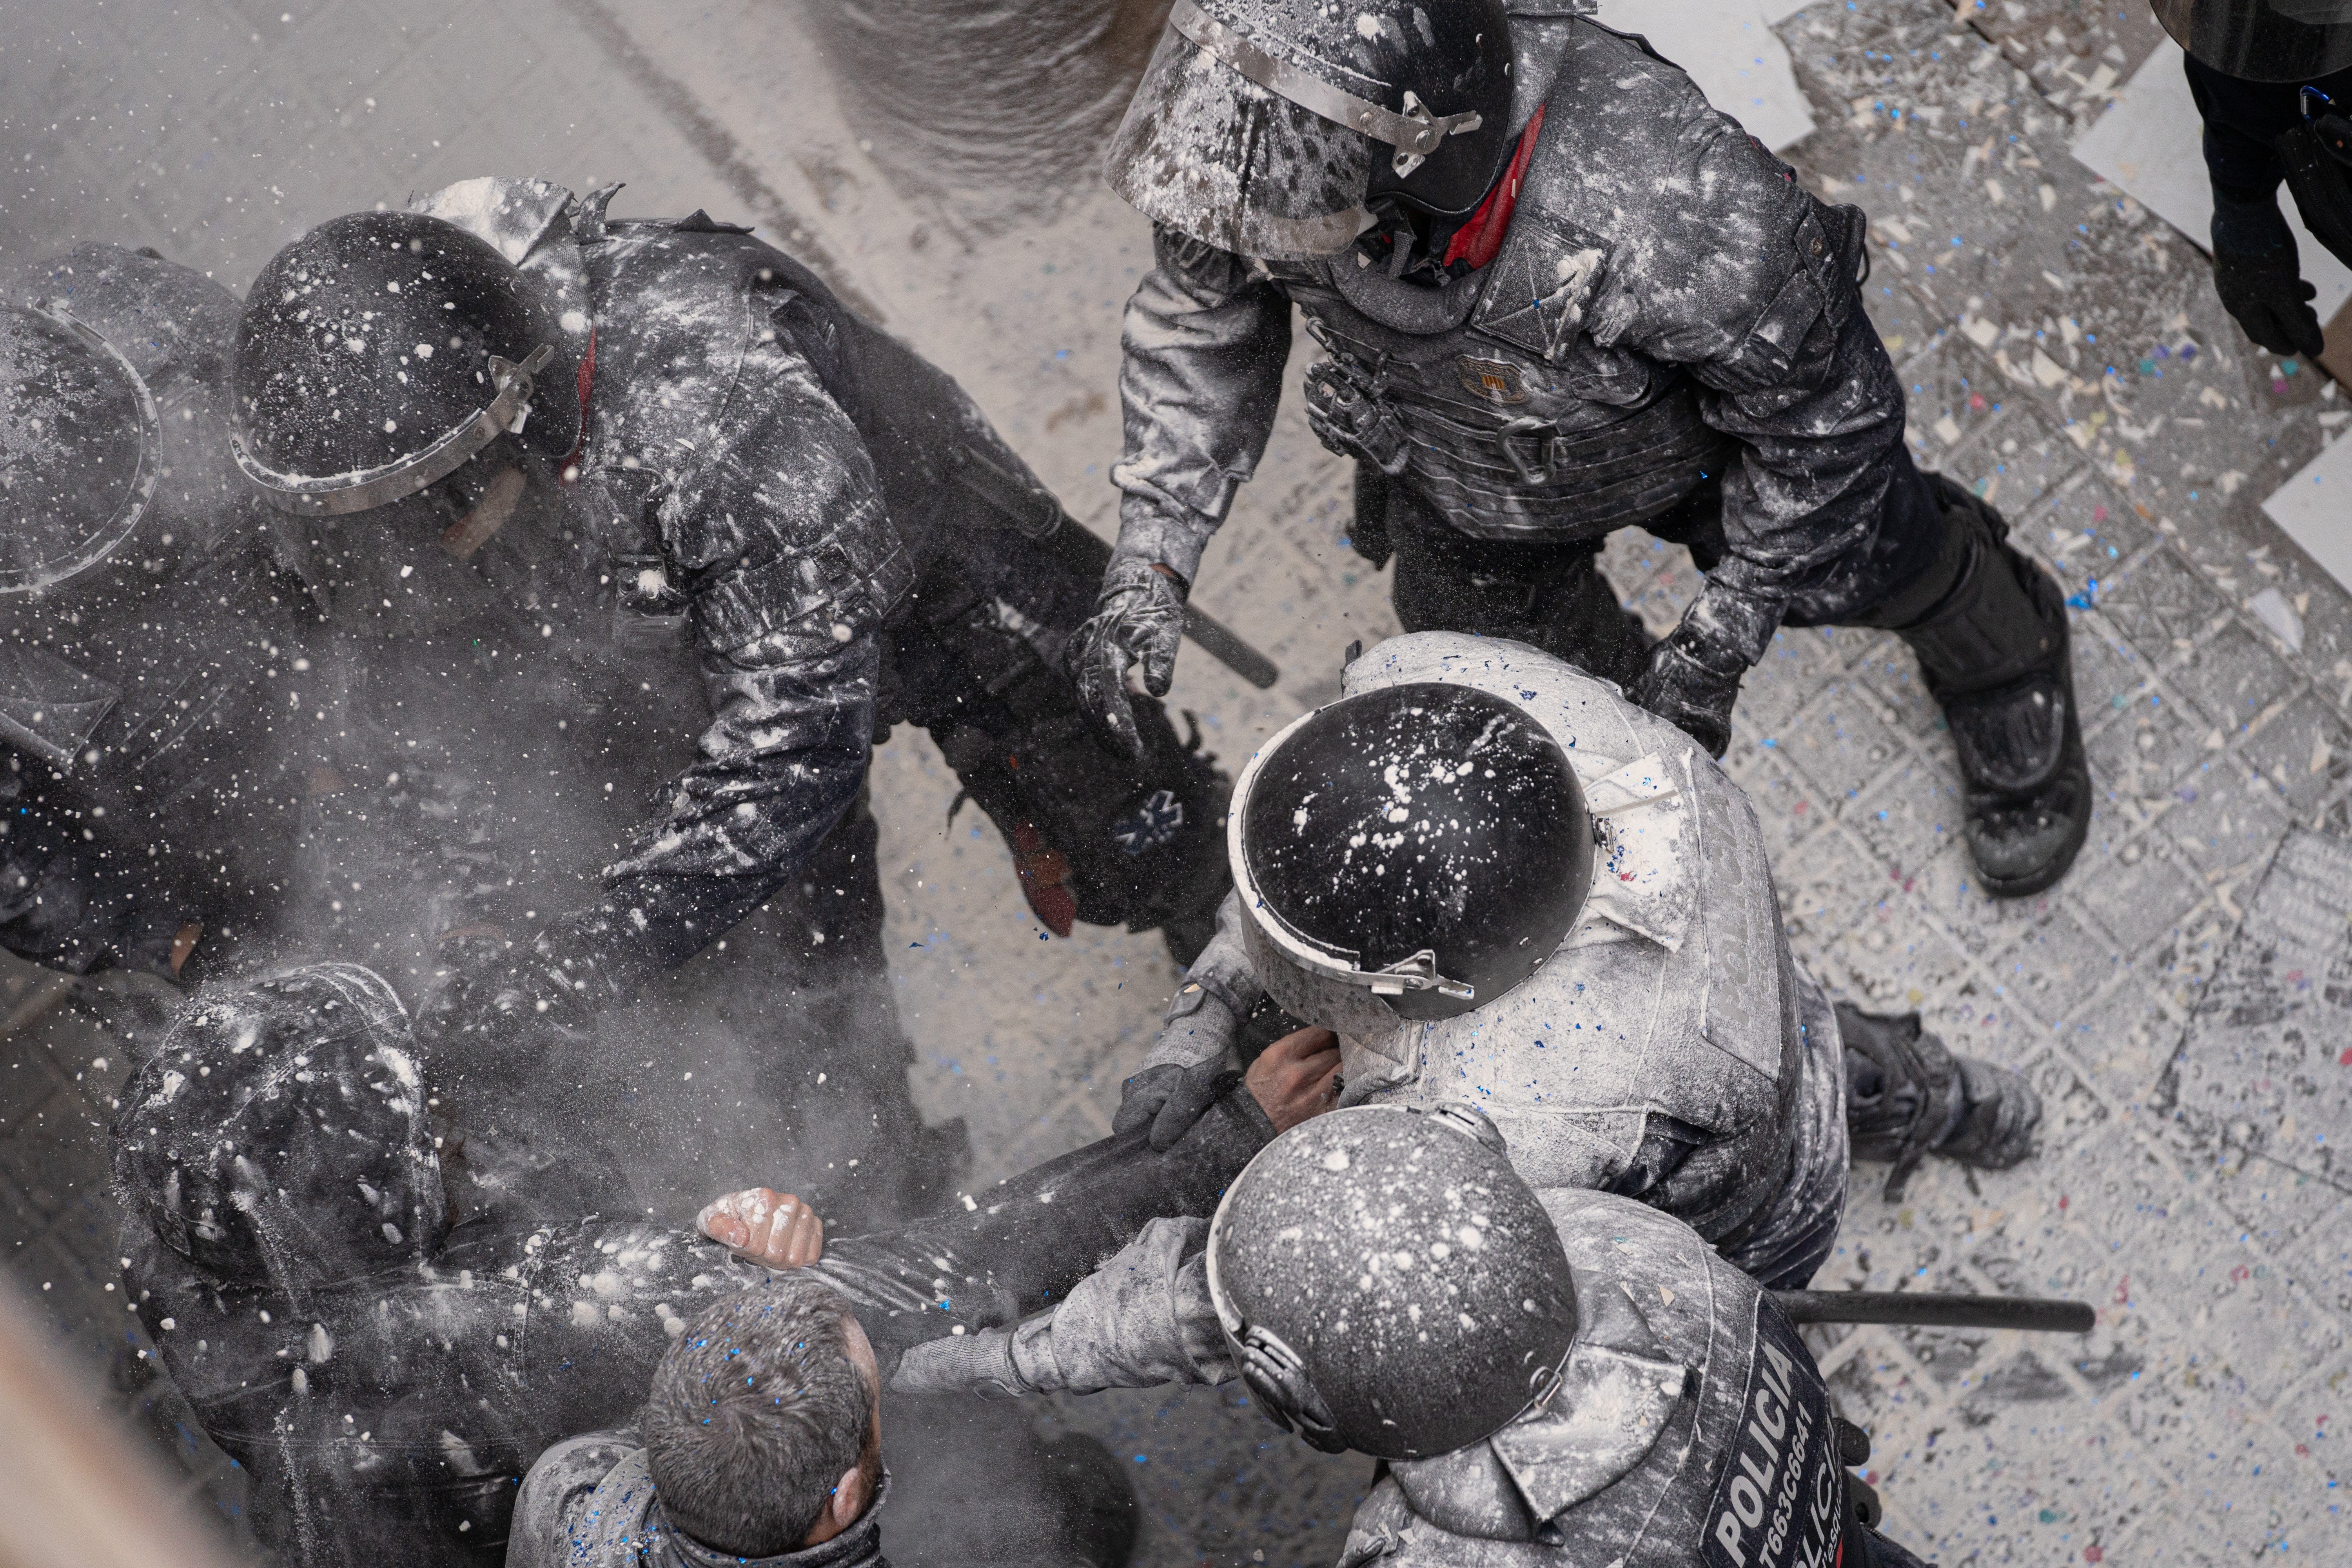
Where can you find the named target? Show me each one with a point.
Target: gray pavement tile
(2146, 895)
(2305, 750)
(1796, 664)
(2161, 605)
(2318, 1261)
(2108, 671)
(1953, 394)
(1892, 672)
(27, 1082)
(1890, 967)
(2294, 1218)
(1912, 815)
(2059, 963)
(1840, 743)
(2223, 1511)
(1878, 1389)
(2147, 745)
(1956, 1360)
(2016, 460)
(53, 1155)
(2120, 1040)
(2047, 1481)
(2087, 533)
(2233, 677)
(2227, 819)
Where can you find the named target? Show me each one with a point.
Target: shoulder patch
(1544, 282)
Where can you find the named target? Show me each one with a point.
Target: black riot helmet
(280, 1133)
(2263, 40)
(64, 505)
(382, 353)
(80, 448)
(1388, 1283)
(1265, 127)
(1427, 842)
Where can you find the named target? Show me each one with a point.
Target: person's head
(763, 1430)
(281, 1135)
(1268, 128)
(404, 386)
(1412, 850)
(1388, 1283)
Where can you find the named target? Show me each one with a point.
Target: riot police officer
(1562, 1373)
(2274, 84)
(570, 479)
(1557, 295)
(147, 627)
(1499, 880)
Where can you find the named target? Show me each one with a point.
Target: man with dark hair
(761, 1439)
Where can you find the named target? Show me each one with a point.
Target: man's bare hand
(765, 1227)
(1296, 1077)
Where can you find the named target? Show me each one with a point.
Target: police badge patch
(1495, 380)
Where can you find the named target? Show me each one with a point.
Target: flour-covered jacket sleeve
(1736, 273)
(1141, 1319)
(788, 563)
(1205, 340)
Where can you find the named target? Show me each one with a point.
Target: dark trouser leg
(1094, 837)
(1990, 630)
(973, 1484)
(1908, 1097)
(1552, 596)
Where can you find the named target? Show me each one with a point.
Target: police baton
(2033, 1314)
(1036, 514)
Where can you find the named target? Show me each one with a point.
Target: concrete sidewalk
(2065, 354)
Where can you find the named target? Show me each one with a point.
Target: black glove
(2268, 296)
(1171, 1098)
(1693, 687)
(1139, 618)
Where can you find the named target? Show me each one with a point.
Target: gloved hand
(2268, 296)
(1186, 1072)
(1693, 687)
(1139, 618)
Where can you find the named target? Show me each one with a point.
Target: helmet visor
(2263, 40)
(1213, 155)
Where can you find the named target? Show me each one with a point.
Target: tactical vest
(1505, 403)
(1670, 1008)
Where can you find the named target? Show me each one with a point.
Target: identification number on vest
(1780, 1500)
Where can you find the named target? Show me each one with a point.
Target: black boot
(1994, 653)
(1907, 1097)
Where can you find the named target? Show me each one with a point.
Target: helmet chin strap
(505, 414)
